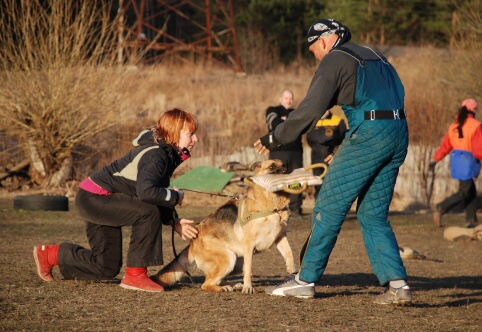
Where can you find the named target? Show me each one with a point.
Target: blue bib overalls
(365, 167)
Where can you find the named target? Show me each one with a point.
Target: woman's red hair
(171, 123)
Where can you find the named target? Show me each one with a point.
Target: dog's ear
(254, 166)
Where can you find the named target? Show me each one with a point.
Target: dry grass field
(447, 285)
(80, 111)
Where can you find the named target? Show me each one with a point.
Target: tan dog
(229, 237)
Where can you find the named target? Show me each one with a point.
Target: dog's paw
(248, 290)
(226, 288)
(238, 287)
(291, 269)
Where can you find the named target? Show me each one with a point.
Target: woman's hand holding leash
(182, 227)
(181, 195)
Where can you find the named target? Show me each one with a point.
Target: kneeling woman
(131, 191)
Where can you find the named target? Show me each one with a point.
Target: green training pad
(203, 178)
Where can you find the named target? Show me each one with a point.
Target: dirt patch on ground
(447, 286)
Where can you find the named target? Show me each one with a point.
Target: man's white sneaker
(400, 296)
(292, 288)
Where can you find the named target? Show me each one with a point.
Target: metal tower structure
(154, 29)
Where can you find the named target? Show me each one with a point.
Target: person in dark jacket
(324, 139)
(290, 154)
(131, 191)
(365, 166)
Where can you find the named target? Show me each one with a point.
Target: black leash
(209, 193)
(174, 216)
(176, 256)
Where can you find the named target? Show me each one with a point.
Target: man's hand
(261, 149)
(431, 166)
(266, 144)
(329, 159)
(182, 227)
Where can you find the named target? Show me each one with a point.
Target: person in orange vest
(327, 135)
(460, 144)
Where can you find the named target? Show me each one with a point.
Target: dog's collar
(245, 216)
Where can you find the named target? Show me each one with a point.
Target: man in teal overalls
(366, 164)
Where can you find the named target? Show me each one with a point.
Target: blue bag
(463, 165)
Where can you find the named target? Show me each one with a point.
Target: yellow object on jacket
(333, 122)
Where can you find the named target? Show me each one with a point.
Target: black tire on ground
(38, 202)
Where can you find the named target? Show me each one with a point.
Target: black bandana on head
(324, 27)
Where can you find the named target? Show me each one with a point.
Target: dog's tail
(175, 270)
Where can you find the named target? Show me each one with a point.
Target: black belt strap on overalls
(374, 114)
(385, 114)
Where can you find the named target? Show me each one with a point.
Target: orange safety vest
(468, 130)
(451, 140)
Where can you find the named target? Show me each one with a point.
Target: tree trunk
(299, 45)
(37, 171)
(455, 23)
(58, 178)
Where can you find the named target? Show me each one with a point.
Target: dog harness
(245, 216)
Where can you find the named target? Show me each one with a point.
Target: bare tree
(60, 83)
